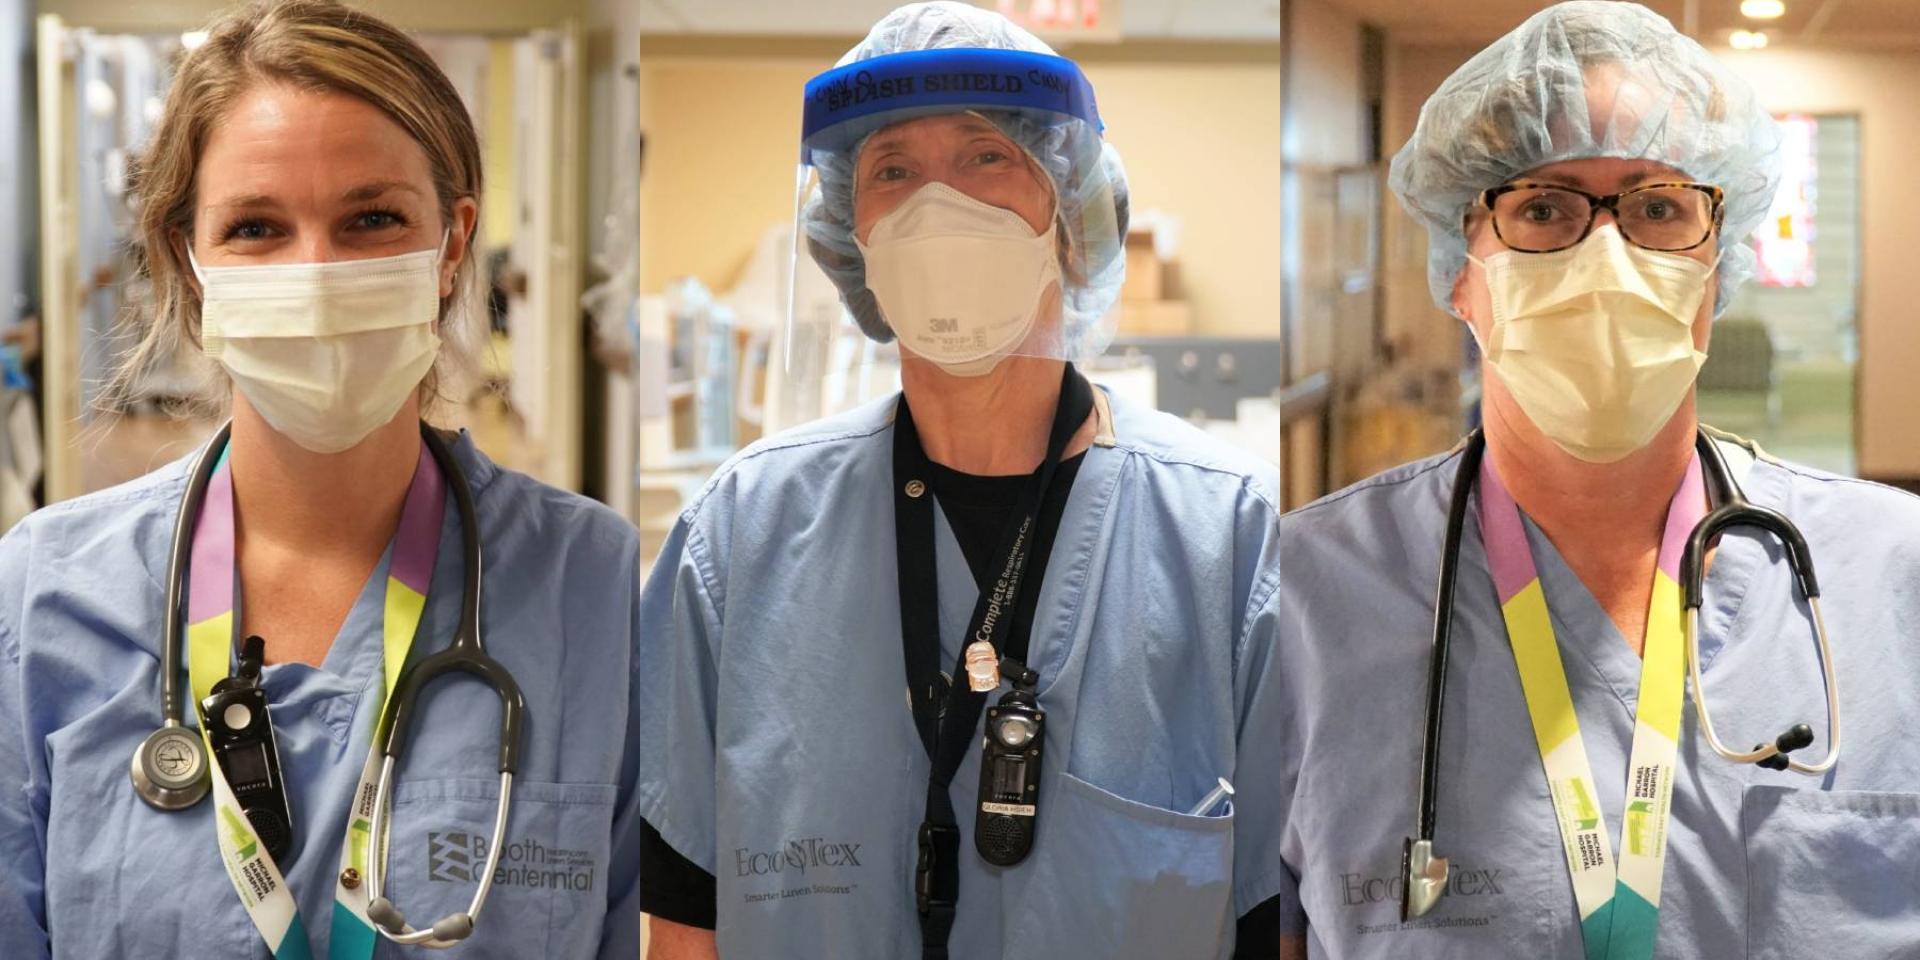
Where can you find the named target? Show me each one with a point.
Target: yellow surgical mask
(1595, 342)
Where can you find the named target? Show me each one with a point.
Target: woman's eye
(990, 156)
(378, 220)
(1656, 210)
(1539, 212)
(245, 230)
(891, 173)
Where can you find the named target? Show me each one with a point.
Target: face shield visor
(963, 209)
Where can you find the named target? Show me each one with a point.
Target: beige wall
(1878, 87)
(1198, 129)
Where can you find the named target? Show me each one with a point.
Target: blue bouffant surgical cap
(1058, 129)
(1587, 78)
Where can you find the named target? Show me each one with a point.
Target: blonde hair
(320, 45)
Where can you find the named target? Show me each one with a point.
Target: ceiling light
(1747, 40)
(193, 38)
(1763, 9)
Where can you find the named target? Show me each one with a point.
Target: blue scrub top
(1759, 863)
(85, 862)
(779, 753)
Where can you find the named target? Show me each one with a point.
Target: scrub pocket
(1124, 880)
(549, 889)
(1831, 871)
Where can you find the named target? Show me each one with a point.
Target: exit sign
(1063, 21)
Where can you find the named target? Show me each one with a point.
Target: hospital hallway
(1813, 358)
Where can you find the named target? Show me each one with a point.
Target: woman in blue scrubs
(1588, 183)
(307, 208)
(812, 742)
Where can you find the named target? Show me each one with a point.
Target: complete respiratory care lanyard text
(211, 622)
(1619, 909)
(948, 724)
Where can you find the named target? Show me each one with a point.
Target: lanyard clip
(936, 877)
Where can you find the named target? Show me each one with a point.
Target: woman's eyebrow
(882, 146)
(368, 191)
(246, 200)
(363, 192)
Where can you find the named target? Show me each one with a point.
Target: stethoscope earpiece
(1797, 736)
(170, 768)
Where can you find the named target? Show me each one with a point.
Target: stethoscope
(170, 767)
(1426, 874)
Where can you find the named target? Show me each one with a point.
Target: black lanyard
(946, 714)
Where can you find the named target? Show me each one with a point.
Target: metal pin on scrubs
(1212, 799)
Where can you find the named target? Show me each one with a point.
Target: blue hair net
(1089, 184)
(1587, 78)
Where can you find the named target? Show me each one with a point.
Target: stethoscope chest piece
(170, 768)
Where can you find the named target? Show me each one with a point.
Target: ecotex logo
(795, 857)
(1480, 895)
(459, 857)
(782, 872)
(1359, 890)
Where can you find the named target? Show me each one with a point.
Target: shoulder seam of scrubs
(480, 470)
(9, 638)
(1265, 591)
(702, 560)
(764, 446)
(1415, 470)
(80, 509)
(9, 641)
(165, 489)
(1249, 481)
(1803, 472)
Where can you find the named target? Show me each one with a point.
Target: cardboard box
(1155, 318)
(1146, 277)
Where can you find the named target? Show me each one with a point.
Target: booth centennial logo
(458, 857)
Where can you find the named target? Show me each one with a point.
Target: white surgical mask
(1595, 342)
(326, 352)
(958, 280)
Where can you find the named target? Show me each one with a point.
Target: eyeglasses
(1537, 218)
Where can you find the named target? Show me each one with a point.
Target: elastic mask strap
(198, 274)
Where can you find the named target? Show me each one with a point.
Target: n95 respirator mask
(326, 352)
(959, 281)
(1595, 342)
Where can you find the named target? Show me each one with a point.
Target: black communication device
(241, 732)
(1016, 733)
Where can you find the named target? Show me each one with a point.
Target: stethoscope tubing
(1734, 510)
(172, 700)
(466, 654)
(1474, 447)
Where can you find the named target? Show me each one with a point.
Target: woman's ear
(181, 244)
(460, 237)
